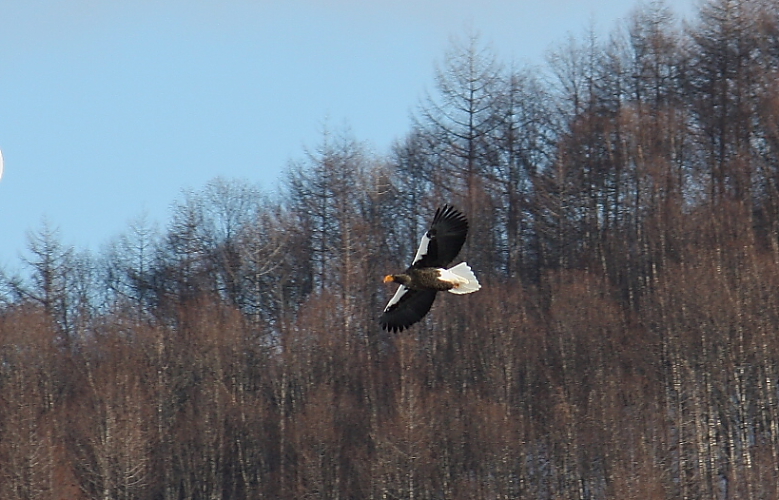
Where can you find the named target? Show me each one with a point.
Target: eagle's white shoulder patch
(422, 250)
(402, 289)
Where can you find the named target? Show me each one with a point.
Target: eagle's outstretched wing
(406, 308)
(443, 241)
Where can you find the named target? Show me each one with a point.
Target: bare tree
(61, 281)
(460, 118)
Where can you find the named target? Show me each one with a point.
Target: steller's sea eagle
(427, 274)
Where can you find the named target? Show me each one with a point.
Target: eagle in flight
(427, 275)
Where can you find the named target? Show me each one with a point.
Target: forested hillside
(624, 211)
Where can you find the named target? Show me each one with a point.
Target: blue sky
(108, 110)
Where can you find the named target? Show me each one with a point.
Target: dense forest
(624, 210)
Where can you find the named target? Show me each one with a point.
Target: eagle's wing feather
(406, 307)
(443, 241)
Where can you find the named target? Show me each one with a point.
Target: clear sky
(108, 110)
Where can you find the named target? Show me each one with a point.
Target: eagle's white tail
(470, 284)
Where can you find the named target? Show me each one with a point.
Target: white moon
(1, 164)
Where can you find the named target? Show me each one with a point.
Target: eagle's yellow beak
(388, 279)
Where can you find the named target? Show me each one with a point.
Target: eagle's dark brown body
(422, 279)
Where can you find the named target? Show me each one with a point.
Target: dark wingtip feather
(412, 308)
(450, 213)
